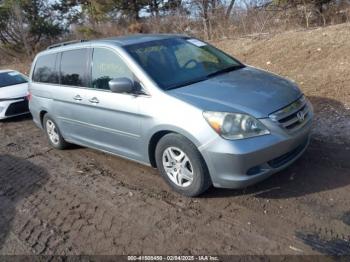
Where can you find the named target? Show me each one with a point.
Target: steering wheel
(189, 62)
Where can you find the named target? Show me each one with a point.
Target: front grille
(293, 116)
(17, 108)
(281, 160)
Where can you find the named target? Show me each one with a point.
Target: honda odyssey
(172, 102)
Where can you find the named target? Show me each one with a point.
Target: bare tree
(229, 9)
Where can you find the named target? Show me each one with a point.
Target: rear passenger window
(74, 67)
(107, 65)
(45, 71)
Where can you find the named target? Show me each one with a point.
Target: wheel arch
(157, 135)
(41, 115)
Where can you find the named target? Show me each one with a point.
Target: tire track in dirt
(122, 206)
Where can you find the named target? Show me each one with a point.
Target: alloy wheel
(178, 166)
(52, 132)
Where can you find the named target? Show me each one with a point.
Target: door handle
(94, 100)
(77, 98)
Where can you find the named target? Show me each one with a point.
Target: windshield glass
(177, 62)
(11, 78)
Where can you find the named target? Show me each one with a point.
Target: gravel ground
(81, 201)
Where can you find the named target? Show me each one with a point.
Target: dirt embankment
(318, 60)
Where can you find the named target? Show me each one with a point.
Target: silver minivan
(172, 102)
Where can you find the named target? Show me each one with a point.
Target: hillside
(318, 60)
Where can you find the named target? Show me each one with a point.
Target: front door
(105, 120)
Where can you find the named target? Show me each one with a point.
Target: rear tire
(182, 166)
(53, 133)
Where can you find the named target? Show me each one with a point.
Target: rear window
(45, 69)
(74, 67)
(11, 78)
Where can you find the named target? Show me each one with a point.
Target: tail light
(29, 96)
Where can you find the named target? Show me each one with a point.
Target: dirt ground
(81, 201)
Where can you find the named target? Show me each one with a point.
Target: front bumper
(241, 163)
(11, 108)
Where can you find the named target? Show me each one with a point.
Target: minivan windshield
(11, 78)
(177, 62)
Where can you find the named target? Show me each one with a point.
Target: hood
(247, 90)
(15, 91)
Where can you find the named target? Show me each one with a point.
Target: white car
(13, 94)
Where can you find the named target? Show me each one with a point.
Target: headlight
(235, 126)
(1, 108)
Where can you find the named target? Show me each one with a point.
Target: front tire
(53, 133)
(182, 166)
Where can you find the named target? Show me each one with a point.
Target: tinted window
(45, 71)
(73, 67)
(11, 78)
(107, 65)
(176, 62)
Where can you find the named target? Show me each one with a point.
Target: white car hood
(15, 91)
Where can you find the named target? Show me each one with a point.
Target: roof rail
(67, 43)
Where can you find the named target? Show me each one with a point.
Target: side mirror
(121, 85)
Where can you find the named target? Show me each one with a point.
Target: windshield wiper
(187, 83)
(225, 70)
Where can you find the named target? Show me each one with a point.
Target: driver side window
(106, 65)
